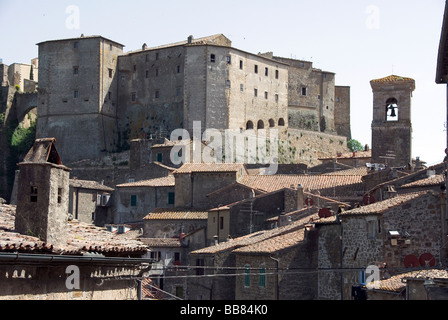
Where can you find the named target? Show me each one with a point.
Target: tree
(354, 145)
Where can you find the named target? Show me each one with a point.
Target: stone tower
(42, 203)
(391, 126)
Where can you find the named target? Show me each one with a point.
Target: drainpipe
(277, 261)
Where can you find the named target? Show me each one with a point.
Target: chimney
(190, 39)
(42, 204)
(144, 47)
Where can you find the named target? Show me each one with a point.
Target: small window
(212, 58)
(134, 96)
(59, 195)
(171, 197)
(200, 270)
(241, 64)
(110, 73)
(281, 122)
(242, 87)
(256, 92)
(221, 223)
(178, 69)
(157, 56)
(249, 125)
(159, 157)
(76, 70)
(276, 97)
(133, 200)
(303, 91)
(262, 277)
(110, 47)
(147, 74)
(266, 94)
(135, 67)
(76, 94)
(157, 94)
(256, 68)
(276, 74)
(247, 276)
(229, 59)
(33, 197)
(76, 45)
(260, 124)
(271, 123)
(266, 71)
(179, 91)
(228, 85)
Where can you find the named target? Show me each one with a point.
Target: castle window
(304, 91)
(260, 124)
(75, 70)
(266, 94)
(135, 67)
(256, 92)
(249, 125)
(281, 122)
(276, 74)
(256, 68)
(242, 87)
(178, 69)
(157, 94)
(276, 97)
(229, 59)
(271, 123)
(241, 64)
(134, 96)
(33, 194)
(110, 47)
(110, 73)
(266, 71)
(212, 58)
(76, 94)
(59, 195)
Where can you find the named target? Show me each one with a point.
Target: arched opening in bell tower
(391, 110)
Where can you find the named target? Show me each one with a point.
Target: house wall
(148, 198)
(170, 228)
(37, 282)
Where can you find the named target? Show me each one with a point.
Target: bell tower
(391, 126)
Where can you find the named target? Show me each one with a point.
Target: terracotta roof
(87, 184)
(270, 183)
(350, 155)
(43, 151)
(255, 237)
(397, 283)
(430, 181)
(176, 214)
(381, 206)
(82, 238)
(274, 244)
(167, 181)
(210, 167)
(392, 78)
(161, 242)
(360, 171)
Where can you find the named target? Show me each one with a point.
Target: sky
(356, 39)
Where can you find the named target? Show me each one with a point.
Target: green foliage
(22, 139)
(354, 145)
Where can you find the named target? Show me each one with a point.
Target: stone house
(134, 200)
(90, 202)
(194, 181)
(40, 247)
(219, 263)
(169, 223)
(401, 232)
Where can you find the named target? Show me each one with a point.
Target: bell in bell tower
(391, 125)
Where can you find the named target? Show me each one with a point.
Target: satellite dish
(427, 260)
(411, 261)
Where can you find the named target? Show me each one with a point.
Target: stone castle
(94, 98)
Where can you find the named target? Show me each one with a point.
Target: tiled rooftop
(82, 238)
(167, 181)
(274, 244)
(176, 214)
(381, 206)
(392, 78)
(210, 167)
(87, 184)
(309, 182)
(161, 242)
(430, 181)
(397, 283)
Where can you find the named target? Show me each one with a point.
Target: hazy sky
(358, 40)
